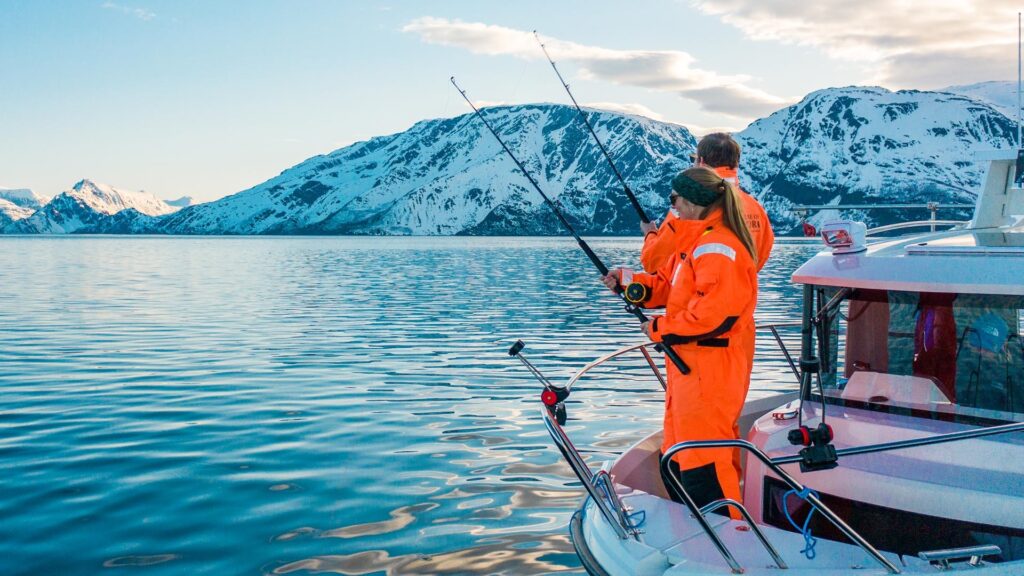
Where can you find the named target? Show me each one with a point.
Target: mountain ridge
(854, 144)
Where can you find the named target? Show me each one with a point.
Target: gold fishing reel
(636, 293)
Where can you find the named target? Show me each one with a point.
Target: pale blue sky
(208, 98)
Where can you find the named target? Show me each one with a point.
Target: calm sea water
(310, 405)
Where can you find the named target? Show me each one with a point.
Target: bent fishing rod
(630, 307)
(625, 187)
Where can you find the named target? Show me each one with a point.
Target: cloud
(908, 44)
(662, 70)
(140, 13)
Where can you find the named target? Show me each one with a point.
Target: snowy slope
(23, 197)
(86, 205)
(10, 212)
(869, 145)
(999, 94)
(450, 176)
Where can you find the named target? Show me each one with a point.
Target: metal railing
(773, 328)
(916, 224)
(599, 486)
(775, 465)
(789, 480)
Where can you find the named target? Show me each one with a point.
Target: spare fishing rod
(625, 187)
(630, 307)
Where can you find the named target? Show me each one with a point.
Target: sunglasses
(672, 198)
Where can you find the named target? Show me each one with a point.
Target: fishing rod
(630, 307)
(625, 187)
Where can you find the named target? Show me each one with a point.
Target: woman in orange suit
(709, 292)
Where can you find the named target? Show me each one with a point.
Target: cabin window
(938, 352)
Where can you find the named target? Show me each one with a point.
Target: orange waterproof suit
(674, 233)
(709, 293)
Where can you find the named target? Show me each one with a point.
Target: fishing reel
(818, 452)
(553, 397)
(636, 293)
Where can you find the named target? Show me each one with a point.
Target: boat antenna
(1018, 178)
(630, 307)
(625, 187)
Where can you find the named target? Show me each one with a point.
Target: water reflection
(283, 405)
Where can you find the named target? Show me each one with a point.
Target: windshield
(935, 352)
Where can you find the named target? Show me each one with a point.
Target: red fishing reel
(818, 452)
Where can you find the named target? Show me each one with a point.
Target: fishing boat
(902, 450)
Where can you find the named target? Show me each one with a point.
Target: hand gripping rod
(625, 187)
(630, 307)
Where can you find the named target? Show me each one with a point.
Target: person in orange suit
(721, 153)
(709, 293)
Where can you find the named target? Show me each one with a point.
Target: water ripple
(307, 405)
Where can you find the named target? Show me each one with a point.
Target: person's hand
(646, 328)
(611, 280)
(648, 227)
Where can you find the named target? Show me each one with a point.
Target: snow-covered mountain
(10, 212)
(861, 145)
(999, 94)
(450, 176)
(23, 197)
(86, 205)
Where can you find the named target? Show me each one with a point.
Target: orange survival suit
(709, 292)
(675, 235)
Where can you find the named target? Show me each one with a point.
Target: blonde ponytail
(732, 215)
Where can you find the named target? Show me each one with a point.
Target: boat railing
(774, 464)
(644, 347)
(599, 485)
(916, 224)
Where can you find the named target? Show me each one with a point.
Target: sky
(206, 98)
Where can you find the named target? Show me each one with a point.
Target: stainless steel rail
(579, 467)
(600, 486)
(750, 522)
(926, 441)
(643, 346)
(789, 480)
(916, 224)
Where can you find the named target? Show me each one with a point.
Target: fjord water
(310, 405)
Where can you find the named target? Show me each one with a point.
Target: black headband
(693, 191)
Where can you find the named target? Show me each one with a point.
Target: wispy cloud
(663, 70)
(140, 13)
(911, 43)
